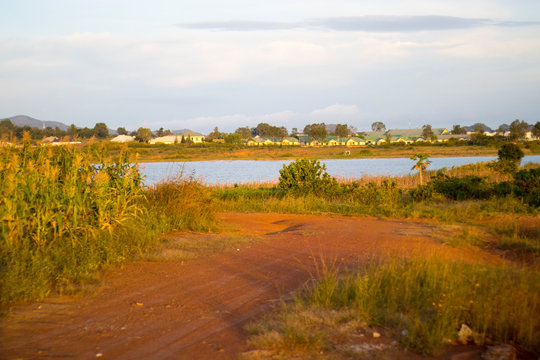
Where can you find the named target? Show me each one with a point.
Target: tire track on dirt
(198, 310)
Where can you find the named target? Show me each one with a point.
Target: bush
(510, 156)
(465, 188)
(306, 176)
(527, 186)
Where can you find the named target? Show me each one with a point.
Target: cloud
(371, 23)
(337, 113)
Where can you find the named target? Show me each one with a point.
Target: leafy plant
(422, 163)
(510, 156)
(305, 176)
(464, 188)
(527, 186)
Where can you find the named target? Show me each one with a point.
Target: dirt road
(197, 309)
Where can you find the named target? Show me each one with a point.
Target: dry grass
(421, 303)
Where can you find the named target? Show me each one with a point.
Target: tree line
(319, 131)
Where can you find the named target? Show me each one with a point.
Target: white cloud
(337, 113)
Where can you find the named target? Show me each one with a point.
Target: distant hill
(178, 132)
(471, 128)
(23, 120)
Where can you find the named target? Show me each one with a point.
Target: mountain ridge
(25, 120)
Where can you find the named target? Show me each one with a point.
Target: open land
(174, 309)
(182, 152)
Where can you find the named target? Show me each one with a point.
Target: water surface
(244, 171)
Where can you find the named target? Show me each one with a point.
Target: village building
(123, 138)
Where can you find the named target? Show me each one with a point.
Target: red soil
(198, 309)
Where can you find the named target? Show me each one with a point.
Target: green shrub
(527, 186)
(422, 192)
(468, 187)
(305, 176)
(510, 156)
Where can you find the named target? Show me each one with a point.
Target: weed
(425, 301)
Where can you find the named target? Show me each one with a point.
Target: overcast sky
(203, 63)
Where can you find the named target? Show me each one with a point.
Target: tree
(121, 131)
(536, 129)
(479, 129)
(269, 131)
(458, 130)
(342, 130)
(388, 137)
(244, 132)
(143, 134)
(101, 131)
(422, 163)
(85, 133)
(518, 129)
(316, 131)
(378, 126)
(510, 156)
(214, 135)
(427, 133)
(233, 139)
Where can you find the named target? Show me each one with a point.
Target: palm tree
(421, 164)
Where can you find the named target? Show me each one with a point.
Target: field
(319, 268)
(206, 151)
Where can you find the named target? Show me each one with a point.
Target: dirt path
(197, 310)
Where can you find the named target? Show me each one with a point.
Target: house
(355, 141)
(123, 138)
(271, 141)
(459, 137)
(290, 141)
(256, 141)
(169, 140)
(373, 138)
(50, 140)
(336, 141)
(196, 138)
(303, 138)
(62, 143)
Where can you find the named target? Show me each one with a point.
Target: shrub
(510, 156)
(306, 176)
(468, 187)
(527, 186)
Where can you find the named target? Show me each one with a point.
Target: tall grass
(423, 302)
(472, 185)
(64, 215)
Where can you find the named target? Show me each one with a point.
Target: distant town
(13, 130)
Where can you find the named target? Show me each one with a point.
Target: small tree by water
(422, 162)
(510, 156)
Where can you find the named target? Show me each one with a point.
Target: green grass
(521, 237)
(421, 303)
(371, 200)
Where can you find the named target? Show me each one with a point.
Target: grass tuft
(423, 302)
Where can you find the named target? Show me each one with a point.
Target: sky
(199, 64)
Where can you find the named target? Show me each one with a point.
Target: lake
(244, 171)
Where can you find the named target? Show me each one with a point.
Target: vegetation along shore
(68, 213)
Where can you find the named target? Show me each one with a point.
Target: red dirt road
(197, 310)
